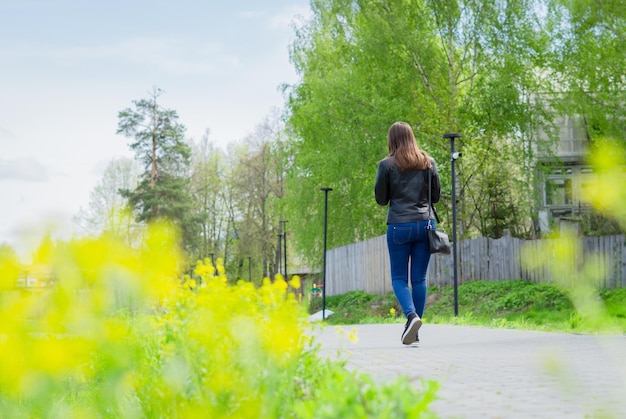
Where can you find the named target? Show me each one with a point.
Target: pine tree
(158, 143)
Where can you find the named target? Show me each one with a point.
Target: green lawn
(512, 304)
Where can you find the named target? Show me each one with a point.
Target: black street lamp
(280, 258)
(453, 157)
(285, 246)
(326, 190)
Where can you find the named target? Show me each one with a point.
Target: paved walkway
(495, 373)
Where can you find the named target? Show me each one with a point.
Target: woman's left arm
(435, 187)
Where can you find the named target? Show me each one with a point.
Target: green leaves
(588, 57)
(451, 66)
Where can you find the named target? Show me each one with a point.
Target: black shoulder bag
(437, 240)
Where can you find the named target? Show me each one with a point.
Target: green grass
(512, 304)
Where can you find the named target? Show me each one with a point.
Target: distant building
(568, 175)
(33, 276)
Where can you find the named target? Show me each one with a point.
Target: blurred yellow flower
(353, 336)
(280, 283)
(120, 332)
(295, 282)
(605, 189)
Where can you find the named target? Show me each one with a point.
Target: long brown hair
(402, 145)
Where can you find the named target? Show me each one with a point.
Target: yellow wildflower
(339, 331)
(295, 282)
(353, 335)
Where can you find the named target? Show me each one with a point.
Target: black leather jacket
(406, 193)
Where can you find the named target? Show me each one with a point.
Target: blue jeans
(408, 253)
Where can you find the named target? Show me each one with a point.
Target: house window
(559, 191)
(586, 188)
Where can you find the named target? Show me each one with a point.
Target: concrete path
(494, 373)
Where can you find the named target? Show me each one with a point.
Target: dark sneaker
(413, 324)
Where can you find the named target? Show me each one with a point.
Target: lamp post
(326, 190)
(213, 263)
(453, 157)
(285, 246)
(280, 248)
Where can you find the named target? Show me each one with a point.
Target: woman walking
(402, 182)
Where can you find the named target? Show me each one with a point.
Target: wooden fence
(365, 265)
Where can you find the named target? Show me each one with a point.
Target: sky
(67, 67)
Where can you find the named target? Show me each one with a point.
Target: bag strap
(430, 203)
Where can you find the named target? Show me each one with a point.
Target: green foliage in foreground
(120, 335)
(512, 304)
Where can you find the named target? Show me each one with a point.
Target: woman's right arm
(381, 187)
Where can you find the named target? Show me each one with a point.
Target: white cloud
(281, 20)
(172, 55)
(5, 134)
(175, 56)
(26, 169)
(252, 14)
(287, 17)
